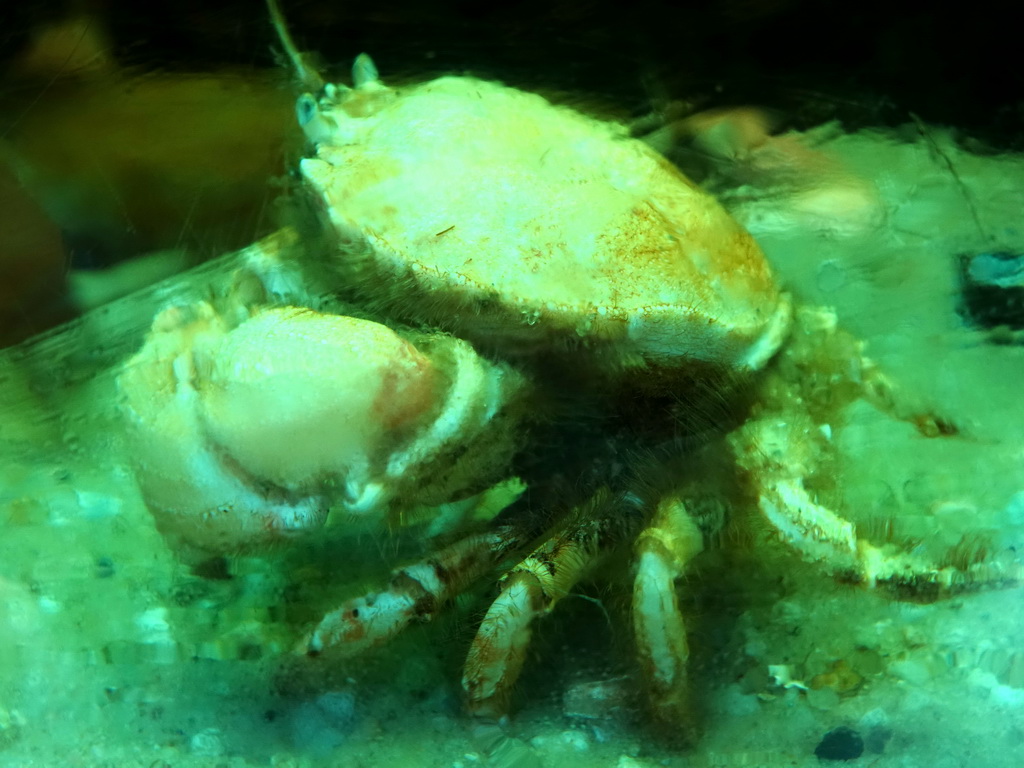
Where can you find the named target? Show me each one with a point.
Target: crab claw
(241, 435)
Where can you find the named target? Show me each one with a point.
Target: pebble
(831, 276)
(992, 286)
(597, 700)
(207, 743)
(842, 743)
(105, 568)
(577, 741)
(625, 761)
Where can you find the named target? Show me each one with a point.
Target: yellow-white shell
(521, 211)
(294, 395)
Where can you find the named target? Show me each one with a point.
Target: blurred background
(135, 142)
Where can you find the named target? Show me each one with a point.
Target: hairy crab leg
(418, 591)
(779, 450)
(532, 589)
(821, 536)
(663, 551)
(415, 593)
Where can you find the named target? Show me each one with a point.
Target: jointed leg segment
(530, 590)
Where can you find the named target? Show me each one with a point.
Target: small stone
(597, 700)
(575, 740)
(625, 761)
(841, 743)
(104, 568)
(912, 670)
(831, 276)
(207, 743)
(285, 760)
(839, 677)
(95, 506)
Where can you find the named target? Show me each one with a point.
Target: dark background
(866, 63)
(184, 138)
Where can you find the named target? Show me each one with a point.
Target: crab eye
(318, 127)
(305, 109)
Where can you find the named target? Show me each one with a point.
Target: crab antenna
(310, 78)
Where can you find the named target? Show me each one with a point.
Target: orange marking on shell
(407, 389)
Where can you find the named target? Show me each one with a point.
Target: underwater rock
(501, 750)
(625, 761)
(207, 743)
(597, 700)
(105, 568)
(570, 740)
(992, 285)
(841, 743)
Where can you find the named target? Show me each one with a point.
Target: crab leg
(531, 590)
(777, 453)
(415, 593)
(663, 552)
(822, 536)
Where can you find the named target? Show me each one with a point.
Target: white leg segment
(777, 455)
(416, 593)
(663, 552)
(529, 590)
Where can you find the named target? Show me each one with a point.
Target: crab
(483, 266)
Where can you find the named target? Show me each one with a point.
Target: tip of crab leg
(664, 551)
(499, 649)
(415, 593)
(361, 623)
(364, 71)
